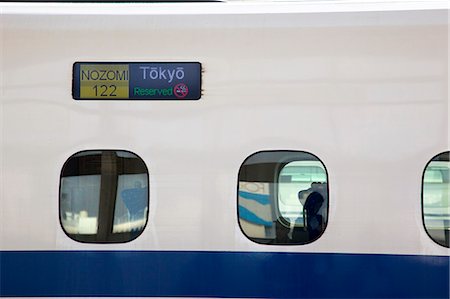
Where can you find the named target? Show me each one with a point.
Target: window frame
(277, 170)
(107, 202)
(422, 203)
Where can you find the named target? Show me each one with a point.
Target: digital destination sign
(137, 81)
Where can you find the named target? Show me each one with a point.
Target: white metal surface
(365, 91)
(224, 7)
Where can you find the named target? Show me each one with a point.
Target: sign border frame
(76, 96)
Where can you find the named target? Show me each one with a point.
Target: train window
(435, 199)
(103, 196)
(283, 197)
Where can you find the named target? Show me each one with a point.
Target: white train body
(363, 86)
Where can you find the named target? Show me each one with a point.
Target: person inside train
(314, 202)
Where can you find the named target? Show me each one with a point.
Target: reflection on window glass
(131, 203)
(282, 197)
(435, 201)
(80, 197)
(104, 196)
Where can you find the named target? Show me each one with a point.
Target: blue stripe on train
(222, 274)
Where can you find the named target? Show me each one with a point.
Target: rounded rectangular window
(435, 199)
(283, 197)
(103, 196)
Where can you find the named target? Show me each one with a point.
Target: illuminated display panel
(137, 81)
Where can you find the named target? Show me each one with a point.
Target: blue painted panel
(252, 217)
(260, 198)
(223, 274)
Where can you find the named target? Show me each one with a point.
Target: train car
(238, 149)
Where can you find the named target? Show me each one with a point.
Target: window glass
(104, 196)
(79, 202)
(283, 197)
(297, 178)
(131, 203)
(435, 199)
